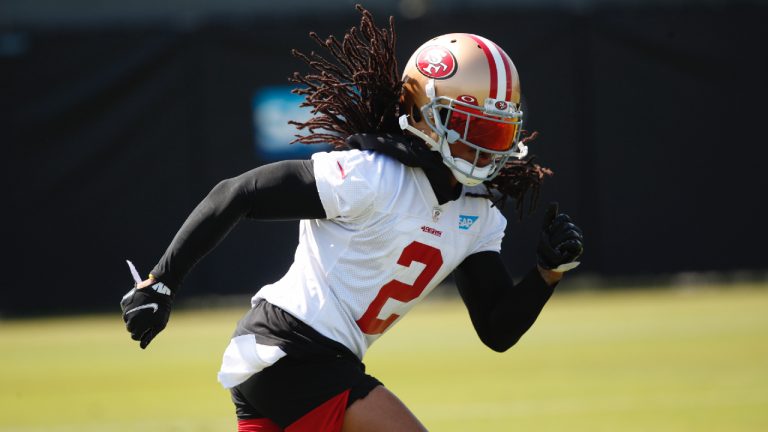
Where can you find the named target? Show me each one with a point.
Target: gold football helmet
(462, 87)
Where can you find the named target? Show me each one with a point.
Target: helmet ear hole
(416, 114)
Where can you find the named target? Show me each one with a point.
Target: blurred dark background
(116, 118)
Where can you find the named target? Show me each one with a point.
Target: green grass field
(661, 360)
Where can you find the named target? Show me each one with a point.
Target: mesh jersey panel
(379, 211)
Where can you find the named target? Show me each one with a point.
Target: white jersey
(386, 243)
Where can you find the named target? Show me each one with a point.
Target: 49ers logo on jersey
(436, 62)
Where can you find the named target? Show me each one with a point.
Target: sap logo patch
(465, 222)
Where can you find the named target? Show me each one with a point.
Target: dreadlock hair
(518, 178)
(357, 88)
(358, 92)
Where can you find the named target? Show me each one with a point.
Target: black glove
(561, 242)
(146, 311)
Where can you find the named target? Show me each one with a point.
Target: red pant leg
(258, 425)
(328, 417)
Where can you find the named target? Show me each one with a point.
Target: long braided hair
(357, 88)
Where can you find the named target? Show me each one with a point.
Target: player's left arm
(502, 311)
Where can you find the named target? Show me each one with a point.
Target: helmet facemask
(492, 131)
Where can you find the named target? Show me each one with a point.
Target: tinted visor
(489, 132)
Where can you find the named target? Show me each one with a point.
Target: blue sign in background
(273, 107)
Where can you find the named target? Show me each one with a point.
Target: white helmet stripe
(496, 61)
(507, 72)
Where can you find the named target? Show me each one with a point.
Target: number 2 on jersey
(370, 323)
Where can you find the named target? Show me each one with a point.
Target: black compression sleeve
(279, 191)
(501, 311)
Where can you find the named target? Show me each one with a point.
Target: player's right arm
(279, 191)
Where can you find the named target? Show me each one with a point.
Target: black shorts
(315, 370)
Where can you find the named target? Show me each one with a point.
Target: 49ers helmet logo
(436, 62)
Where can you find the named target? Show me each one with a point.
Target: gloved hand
(561, 242)
(146, 309)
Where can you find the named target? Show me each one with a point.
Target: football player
(406, 200)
